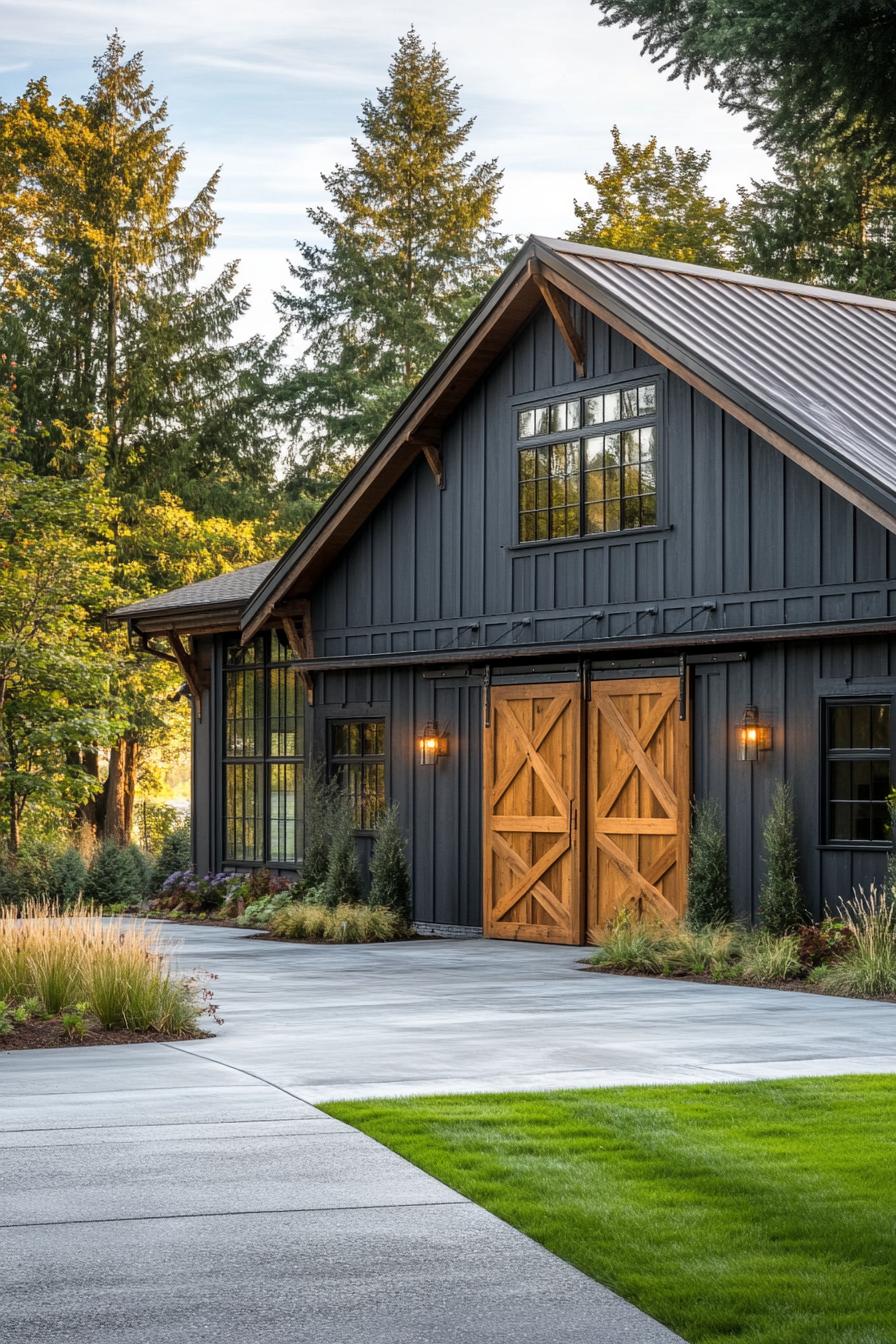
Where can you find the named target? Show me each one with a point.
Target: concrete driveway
(178, 1193)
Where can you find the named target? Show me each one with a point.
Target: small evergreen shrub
(323, 802)
(114, 877)
(68, 877)
(781, 905)
(390, 875)
(175, 854)
(709, 898)
(342, 884)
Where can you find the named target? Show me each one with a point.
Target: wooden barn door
(531, 787)
(638, 801)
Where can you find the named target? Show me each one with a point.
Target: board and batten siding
(742, 526)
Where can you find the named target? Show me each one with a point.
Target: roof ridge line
(818, 292)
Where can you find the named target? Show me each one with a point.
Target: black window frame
(337, 760)
(264, 760)
(830, 755)
(577, 436)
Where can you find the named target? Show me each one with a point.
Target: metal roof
(818, 360)
(235, 587)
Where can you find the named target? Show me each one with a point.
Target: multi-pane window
(357, 760)
(595, 470)
(264, 747)
(857, 768)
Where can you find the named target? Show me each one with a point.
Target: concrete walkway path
(189, 1192)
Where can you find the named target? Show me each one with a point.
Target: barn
(628, 544)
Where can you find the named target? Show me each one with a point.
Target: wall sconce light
(431, 744)
(753, 735)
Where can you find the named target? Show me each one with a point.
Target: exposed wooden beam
(302, 644)
(187, 665)
(433, 454)
(560, 311)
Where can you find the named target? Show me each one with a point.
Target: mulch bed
(795, 986)
(48, 1035)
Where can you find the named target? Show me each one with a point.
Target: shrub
(632, 945)
(781, 905)
(323, 802)
(822, 943)
(868, 967)
(258, 914)
(113, 877)
(68, 877)
(192, 895)
(344, 924)
(342, 884)
(767, 957)
(114, 967)
(175, 854)
(709, 898)
(390, 876)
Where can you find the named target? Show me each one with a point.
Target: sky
(270, 91)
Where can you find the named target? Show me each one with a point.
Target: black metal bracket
(487, 694)
(682, 686)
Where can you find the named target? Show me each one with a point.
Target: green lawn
(749, 1211)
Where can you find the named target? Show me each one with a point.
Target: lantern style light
(431, 744)
(753, 735)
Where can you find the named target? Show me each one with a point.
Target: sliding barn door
(638, 801)
(531, 786)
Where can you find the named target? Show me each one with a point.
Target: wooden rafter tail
(187, 664)
(302, 647)
(560, 311)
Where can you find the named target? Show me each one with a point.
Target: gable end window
(857, 771)
(264, 748)
(587, 465)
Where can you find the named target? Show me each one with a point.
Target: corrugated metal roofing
(822, 360)
(237, 587)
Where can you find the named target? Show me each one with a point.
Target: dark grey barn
(629, 543)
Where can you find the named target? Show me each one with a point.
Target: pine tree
(781, 905)
(411, 245)
(654, 201)
(322, 804)
(390, 875)
(827, 218)
(107, 323)
(113, 878)
(709, 897)
(114, 335)
(803, 73)
(342, 884)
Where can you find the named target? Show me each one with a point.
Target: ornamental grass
(114, 966)
(347, 923)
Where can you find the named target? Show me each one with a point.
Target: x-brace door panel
(531, 794)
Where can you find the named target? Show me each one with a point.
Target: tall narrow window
(357, 759)
(588, 465)
(264, 748)
(857, 771)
